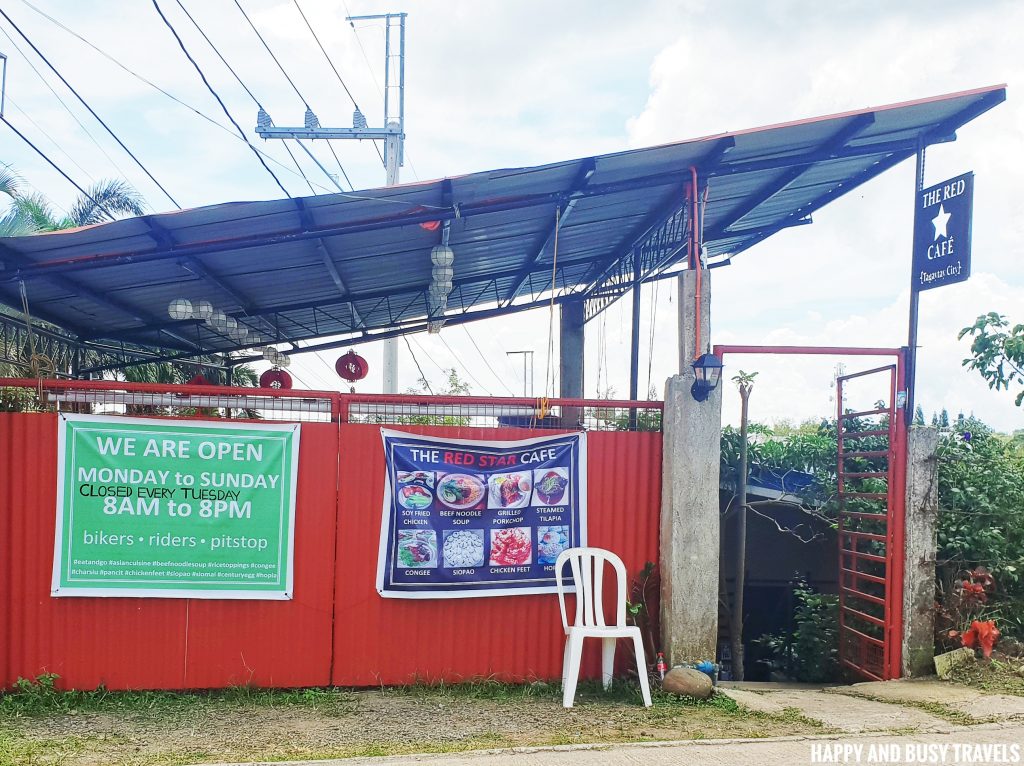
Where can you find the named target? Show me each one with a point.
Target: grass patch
(1001, 674)
(41, 697)
(934, 708)
(18, 750)
(43, 726)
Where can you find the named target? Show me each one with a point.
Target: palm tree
(31, 213)
(12, 222)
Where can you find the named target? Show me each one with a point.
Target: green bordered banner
(174, 509)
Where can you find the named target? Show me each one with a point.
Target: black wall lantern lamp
(707, 371)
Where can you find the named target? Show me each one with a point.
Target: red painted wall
(177, 643)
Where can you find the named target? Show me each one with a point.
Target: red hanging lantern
(352, 367)
(275, 378)
(198, 380)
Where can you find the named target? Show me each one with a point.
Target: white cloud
(506, 84)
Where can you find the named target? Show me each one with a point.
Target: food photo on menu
(509, 490)
(551, 486)
(460, 490)
(415, 489)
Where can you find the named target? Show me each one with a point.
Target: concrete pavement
(957, 746)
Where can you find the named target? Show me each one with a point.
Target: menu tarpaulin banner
(174, 509)
(466, 518)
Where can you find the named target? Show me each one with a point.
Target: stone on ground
(687, 681)
(944, 663)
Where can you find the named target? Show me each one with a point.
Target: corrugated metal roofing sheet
(269, 264)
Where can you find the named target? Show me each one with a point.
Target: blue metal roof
(358, 265)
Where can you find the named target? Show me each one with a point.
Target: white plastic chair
(587, 566)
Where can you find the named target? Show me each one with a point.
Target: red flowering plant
(981, 635)
(959, 608)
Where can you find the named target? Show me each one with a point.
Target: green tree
(32, 212)
(12, 223)
(453, 386)
(997, 352)
(981, 499)
(981, 515)
(918, 416)
(944, 418)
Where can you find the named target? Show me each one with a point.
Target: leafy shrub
(811, 653)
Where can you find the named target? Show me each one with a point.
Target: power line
(298, 93)
(481, 353)
(426, 353)
(216, 96)
(373, 75)
(63, 103)
(464, 367)
(91, 110)
(216, 50)
(299, 168)
(330, 369)
(154, 86)
(245, 87)
(319, 164)
(50, 138)
(323, 51)
(267, 47)
(56, 167)
(423, 375)
(340, 79)
(340, 167)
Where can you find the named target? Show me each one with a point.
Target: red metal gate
(872, 483)
(871, 506)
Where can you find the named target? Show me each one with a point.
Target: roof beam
(466, 209)
(77, 288)
(197, 268)
(856, 126)
(306, 220)
(584, 173)
(421, 325)
(946, 130)
(352, 298)
(798, 215)
(663, 212)
(193, 265)
(15, 304)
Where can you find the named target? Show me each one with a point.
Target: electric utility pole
(393, 134)
(527, 389)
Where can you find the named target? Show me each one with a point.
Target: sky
(503, 84)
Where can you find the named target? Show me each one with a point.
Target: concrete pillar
(922, 513)
(570, 358)
(570, 350)
(689, 551)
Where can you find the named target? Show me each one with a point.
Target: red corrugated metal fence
(396, 641)
(336, 630)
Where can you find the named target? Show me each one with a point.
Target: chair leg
(607, 661)
(574, 648)
(641, 669)
(565, 662)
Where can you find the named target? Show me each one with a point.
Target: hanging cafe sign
(174, 509)
(942, 233)
(466, 518)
